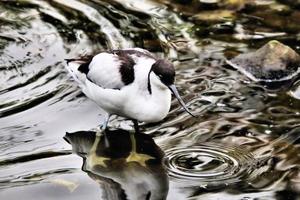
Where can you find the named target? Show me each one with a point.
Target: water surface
(244, 145)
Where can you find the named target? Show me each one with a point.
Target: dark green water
(244, 146)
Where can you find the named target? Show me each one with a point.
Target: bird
(132, 83)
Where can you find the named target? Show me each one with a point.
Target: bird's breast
(147, 107)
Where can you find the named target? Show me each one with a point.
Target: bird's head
(165, 71)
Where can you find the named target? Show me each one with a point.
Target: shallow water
(244, 145)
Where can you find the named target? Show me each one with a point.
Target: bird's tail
(72, 66)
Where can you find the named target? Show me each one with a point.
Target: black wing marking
(127, 67)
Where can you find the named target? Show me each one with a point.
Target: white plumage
(104, 71)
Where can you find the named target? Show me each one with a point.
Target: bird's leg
(103, 126)
(134, 156)
(136, 126)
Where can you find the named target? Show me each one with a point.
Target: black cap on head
(165, 71)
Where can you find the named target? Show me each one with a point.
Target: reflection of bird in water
(144, 179)
(131, 83)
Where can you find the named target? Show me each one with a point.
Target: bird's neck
(147, 82)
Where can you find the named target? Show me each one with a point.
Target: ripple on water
(209, 163)
(39, 101)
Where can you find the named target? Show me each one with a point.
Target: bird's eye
(160, 76)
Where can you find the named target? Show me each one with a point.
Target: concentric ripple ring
(209, 163)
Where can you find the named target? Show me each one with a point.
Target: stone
(274, 62)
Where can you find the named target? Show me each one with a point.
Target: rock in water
(272, 63)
